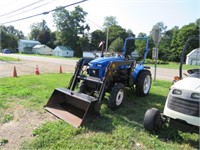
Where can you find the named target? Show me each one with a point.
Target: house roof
(197, 50)
(65, 48)
(29, 41)
(39, 46)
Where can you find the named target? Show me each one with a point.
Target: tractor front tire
(143, 83)
(117, 96)
(152, 120)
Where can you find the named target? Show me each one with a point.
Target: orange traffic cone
(37, 70)
(60, 69)
(14, 72)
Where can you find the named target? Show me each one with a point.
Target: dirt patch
(20, 129)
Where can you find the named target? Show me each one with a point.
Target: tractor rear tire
(143, 83)
(152, 120)
(117, 96)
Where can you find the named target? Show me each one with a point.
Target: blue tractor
(93, 78)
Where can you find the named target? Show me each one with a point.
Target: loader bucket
(73, 107)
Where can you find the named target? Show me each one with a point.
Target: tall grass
(173, 65)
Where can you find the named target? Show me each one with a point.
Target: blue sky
(137, 15)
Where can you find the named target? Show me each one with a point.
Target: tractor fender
(137, 70)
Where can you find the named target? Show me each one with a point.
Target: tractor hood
(103, 61)
(188, 83)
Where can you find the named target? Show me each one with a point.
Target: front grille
(94, 72)
(184, 106)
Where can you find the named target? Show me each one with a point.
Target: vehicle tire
(152, 120)
(117, 96)
(143, 83)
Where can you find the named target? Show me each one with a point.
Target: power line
(94, 23)
(21, 8)
(27, 10)
(44, 13)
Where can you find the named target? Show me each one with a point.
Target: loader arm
(79, 66)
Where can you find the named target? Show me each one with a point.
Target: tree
(44, 37)
(83, 44)
(162, 26)
(182, 35)
(116, 45)
(130, 33)
(9, 37)
(96, 37)
(41, 32)
(140, 44)
(115, 32)
(109, 21)
(52, 40)
(71, 26)
(15, 32)
(168, 45)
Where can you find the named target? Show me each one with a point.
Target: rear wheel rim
(147, 84)
(119, 97)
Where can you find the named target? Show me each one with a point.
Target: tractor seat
(195, 73)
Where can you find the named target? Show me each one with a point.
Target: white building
(63, 51)
(24, 44)
(92, 54)
(193, 58)
(42, 49)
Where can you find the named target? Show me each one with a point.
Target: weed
(7, 118)
(3, 142)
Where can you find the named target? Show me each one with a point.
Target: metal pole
(155, 65)
(107, 41)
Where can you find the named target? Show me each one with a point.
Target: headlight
(195, 96)
(99, 65)
(177, 92)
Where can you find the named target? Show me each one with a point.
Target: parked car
(6, 51)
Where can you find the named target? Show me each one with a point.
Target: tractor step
(92, 79)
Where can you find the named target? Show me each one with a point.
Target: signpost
(156, 35)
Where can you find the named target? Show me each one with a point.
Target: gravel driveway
(27, 66)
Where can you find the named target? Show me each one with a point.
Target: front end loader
(78, 107)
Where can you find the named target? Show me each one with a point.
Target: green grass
(120, 129)
(30, 91)
(50, 56)
(173, 65)
(7, 58)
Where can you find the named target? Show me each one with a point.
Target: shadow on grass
(131, 114)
